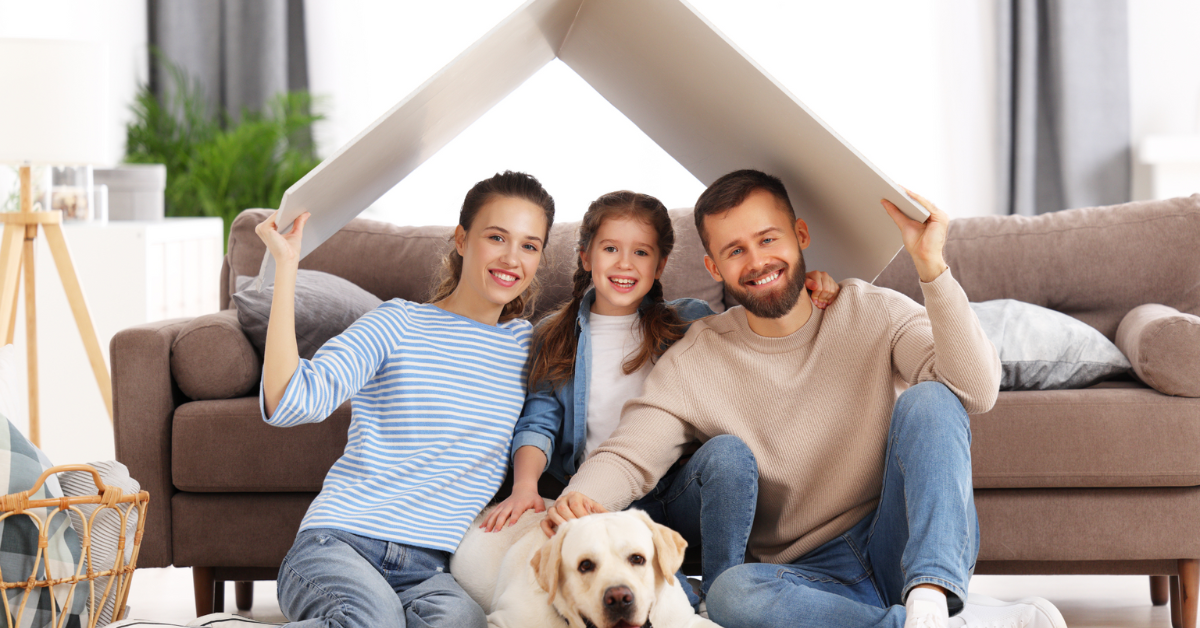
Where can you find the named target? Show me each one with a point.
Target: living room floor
(1085, 601)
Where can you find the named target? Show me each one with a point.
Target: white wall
(909, 84)
(121, 24)
(1164, 75)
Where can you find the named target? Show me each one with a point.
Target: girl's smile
(624, 261)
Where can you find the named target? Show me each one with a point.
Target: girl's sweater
(434, 398)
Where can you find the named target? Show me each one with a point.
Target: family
(770, 436)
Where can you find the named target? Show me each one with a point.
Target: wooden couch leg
(244, 594)
(1176, 617)
(1189, 586)
(1160, 594)
(205, 586)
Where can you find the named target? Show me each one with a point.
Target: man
(865, 512)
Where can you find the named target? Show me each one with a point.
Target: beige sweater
(814, 407)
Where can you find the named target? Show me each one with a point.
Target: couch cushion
(1164, 346)
(224, 446)
(1095, 264)
(325, 305)
(390, 261)
(212, 359)
(1115, 434)
(1041, 349)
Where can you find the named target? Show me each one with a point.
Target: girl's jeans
(924, 530)
(710, 500)
(332, 578)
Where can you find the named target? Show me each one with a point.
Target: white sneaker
(225, 620)
(981, 611)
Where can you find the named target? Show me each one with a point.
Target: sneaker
(225, 620)
(981, 611)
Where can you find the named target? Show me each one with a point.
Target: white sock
(926, 608)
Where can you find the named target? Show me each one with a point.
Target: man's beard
(777, 302)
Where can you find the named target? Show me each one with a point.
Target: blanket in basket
(20, 465)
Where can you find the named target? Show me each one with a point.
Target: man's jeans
(924, 530)
(710, 500)
(332, 578)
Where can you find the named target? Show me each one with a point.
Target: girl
(436, 390)
(605, 341)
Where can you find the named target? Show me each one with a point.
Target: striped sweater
(434, 398)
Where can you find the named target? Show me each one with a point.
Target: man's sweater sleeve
(647, 441)
(944, 342)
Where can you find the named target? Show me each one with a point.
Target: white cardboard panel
(669, 71)
(346, 183)
(715, 111)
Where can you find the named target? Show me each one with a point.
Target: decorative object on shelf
(71, 192)
(57, 119)
(135, 191)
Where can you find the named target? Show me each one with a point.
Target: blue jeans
(710, 500)
(924, 531)
(332, 578)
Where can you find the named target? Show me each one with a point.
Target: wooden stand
(17, 251)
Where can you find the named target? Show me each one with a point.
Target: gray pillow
(1041, 349)
(325, 306)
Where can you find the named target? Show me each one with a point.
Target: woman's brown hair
(513, 185)
(553, 363)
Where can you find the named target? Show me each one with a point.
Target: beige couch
(1103, 480)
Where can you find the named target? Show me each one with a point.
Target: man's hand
(822, 289)
(923, 241)
(569, 506)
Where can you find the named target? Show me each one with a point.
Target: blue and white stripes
(435, 398)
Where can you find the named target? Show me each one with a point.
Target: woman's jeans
(710, 500)
(924, 530)
(332, 578)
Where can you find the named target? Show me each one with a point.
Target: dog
(609, 570)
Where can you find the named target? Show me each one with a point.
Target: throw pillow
(325, 306)
(1041, 349)
(22, 465)
(106, 527)
(1164, 346)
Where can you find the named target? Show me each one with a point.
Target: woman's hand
(822, 289)
(284, 248)
(511, 509)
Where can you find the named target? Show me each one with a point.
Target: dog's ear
(546, 561)
(668, 546)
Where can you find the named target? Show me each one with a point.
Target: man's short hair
(731, 190)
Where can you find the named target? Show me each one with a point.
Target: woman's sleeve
(340, 368)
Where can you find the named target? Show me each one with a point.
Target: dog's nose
(618, 598)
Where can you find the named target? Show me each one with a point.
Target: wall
(909, 84)
(1164, 75)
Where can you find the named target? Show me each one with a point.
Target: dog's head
(605, 570)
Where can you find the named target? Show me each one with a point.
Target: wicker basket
(107, 498)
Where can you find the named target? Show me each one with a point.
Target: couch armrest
(144, 402)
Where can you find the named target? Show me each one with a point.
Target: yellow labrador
(611, 570)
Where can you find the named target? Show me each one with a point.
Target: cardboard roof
(669, 71)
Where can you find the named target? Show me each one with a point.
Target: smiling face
(624, 261)
(501, 251)
(755, 250)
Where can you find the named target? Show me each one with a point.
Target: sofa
(1102, 480)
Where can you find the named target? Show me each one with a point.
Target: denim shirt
(556, 421)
